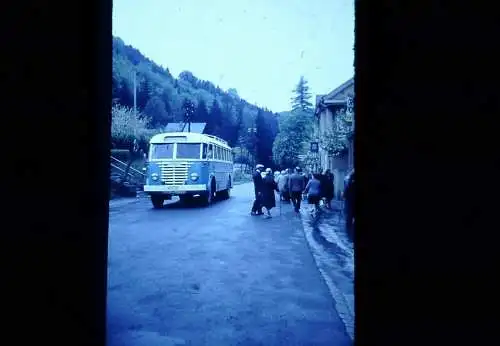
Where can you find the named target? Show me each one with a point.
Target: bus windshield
(162, 151)
(188, 150)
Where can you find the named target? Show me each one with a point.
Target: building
(327, 106)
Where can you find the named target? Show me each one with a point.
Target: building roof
(183, 127)
(334, 97)
(335, 92)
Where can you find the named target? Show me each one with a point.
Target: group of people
(264, 186)
(318, 187)
(293, 187)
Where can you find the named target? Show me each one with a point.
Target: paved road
(333, 251)
(215, 276)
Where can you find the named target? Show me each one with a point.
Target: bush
(125, 126)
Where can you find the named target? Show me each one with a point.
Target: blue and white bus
(188, 165)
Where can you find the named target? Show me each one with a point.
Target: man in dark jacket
(258, 185)
(296, 185)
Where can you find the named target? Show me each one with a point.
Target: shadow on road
(193, 204)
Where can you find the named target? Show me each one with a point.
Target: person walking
(296, 185)
(327, 187)
(307, 177)
(313, 191)
(268, 197)
(258, 185)
(283, 184)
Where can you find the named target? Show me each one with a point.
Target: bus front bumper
(175, 189)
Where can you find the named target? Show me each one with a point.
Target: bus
(188, 165)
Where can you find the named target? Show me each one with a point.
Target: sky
(259, 47)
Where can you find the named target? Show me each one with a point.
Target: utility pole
(135, 100)
(135, 94)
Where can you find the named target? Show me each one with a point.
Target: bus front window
(188, 150)
(162, 151)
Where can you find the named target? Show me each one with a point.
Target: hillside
(163, 99)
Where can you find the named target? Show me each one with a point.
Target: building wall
(338, 166)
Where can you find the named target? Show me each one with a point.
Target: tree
(302, 96)
(286, 151)
(264, 140)
(215, 120)
(334, 141)
(237, 130)
(125, 125)
(143, 92)
(188, 77)
(295, 130)
(201, 113)
(122, 93)
(233, 93)
(156, 110)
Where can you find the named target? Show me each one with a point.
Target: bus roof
(190, 137)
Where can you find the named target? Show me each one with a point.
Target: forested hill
(163, 99)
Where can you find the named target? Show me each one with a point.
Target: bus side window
(210, 153)
(204, 151)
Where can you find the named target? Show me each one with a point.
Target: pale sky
(259, 47)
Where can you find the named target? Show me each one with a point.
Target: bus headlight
(194, 176)
(154, 176)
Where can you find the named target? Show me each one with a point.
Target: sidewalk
(333, 252)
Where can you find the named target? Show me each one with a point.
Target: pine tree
(215, 120)
(143, 93)
(156, 110)
(201, 113)
(264, 142)
(301, 102)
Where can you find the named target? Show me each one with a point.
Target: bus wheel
(209, 196)
(157, 202)
(226, 194)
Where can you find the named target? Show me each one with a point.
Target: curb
(341, 305)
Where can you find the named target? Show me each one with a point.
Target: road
(190, 275)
